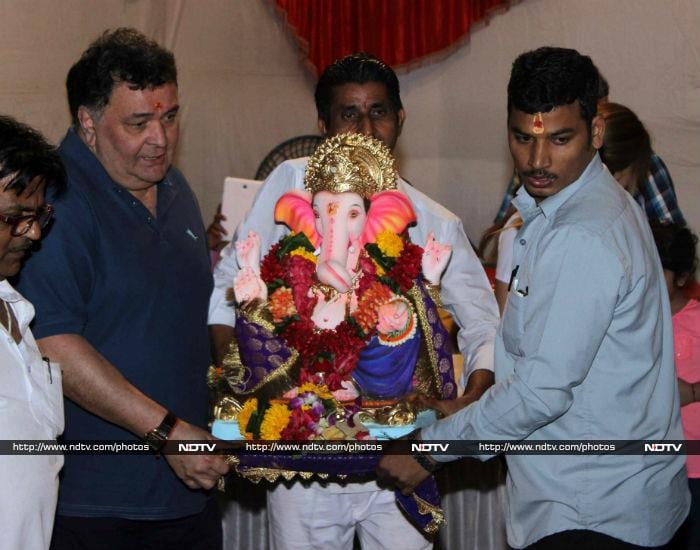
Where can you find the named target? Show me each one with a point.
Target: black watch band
(158, 436)
(427, 464)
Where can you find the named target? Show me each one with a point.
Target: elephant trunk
(332, 262)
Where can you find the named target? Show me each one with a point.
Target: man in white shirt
(31, 400)
(359, 93)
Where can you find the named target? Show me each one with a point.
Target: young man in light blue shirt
(585, 348)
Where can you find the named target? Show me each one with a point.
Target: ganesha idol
(342, 311)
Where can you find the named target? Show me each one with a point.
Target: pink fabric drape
(399, 32)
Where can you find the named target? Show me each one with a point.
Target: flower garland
(387, 267)
(387, 270)
(249, 408)
(275, 421)
(312, 414)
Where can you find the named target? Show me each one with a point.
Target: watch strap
(425, 462)
(158, 436)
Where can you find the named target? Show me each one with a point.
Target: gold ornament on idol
(351, 162)
(537, 124)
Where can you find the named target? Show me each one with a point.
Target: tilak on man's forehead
(537, 124)
(157, 105)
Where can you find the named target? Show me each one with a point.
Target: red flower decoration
(407, 267)
(270, 268)
(369, 271)
(299, 276)
(329, 356)
(302, 425)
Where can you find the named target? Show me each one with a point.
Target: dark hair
(25, 155)
(550, 77)
(626, 142)
(603, 87)
(358, 68)
(676, 245)
(122, 55)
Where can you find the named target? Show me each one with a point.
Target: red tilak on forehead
(157, 105)
(537, 124)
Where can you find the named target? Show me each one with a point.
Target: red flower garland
(407, 267)
(329, 356)
(301, 425)
(270, 267)
(299, 276)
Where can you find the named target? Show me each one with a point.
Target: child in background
(676, 245)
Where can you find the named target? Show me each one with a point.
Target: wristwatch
(158, 436)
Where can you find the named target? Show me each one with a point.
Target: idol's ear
(294, 210)
(388, 211)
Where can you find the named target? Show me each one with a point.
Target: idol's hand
(435, 258)
(329, 313)
(393, 316)
(248, 252)
(248, 286)
(348, 392)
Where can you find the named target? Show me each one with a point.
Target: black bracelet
(419, 457)
(427, 464)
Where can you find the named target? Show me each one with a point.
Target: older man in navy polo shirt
(121, 289)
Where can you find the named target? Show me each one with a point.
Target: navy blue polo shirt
(137, 288)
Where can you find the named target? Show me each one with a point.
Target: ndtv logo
(429, 447)
(196, 447)
(662, 447)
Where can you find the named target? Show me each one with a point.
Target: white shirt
(466, 293)
(31, 408)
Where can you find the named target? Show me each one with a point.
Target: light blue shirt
(584, 351)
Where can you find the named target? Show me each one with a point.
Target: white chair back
(236, 201)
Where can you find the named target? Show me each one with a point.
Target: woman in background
(676, 245)
(626, 147)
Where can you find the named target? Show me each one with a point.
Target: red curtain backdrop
(399, 32)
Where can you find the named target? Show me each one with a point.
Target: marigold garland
(390, 243)
(379, 269)
(281, 304)
(249, 407)
(275, 421)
